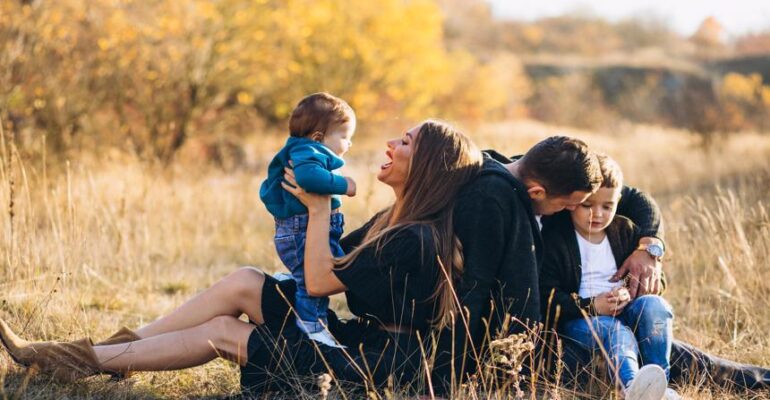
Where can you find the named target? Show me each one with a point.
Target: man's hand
(643, 270)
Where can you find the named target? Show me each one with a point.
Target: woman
(397, 276)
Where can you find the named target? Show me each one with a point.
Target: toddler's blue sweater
(313, 166)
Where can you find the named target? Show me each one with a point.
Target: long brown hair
(443, 160)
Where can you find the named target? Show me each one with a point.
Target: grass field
(96, 242)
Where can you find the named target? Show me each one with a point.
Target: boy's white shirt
(597, 265)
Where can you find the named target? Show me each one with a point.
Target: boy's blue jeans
(643, 330)
(290, 236)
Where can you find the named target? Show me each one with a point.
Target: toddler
(321, 128)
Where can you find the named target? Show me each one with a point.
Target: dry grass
(99, 242)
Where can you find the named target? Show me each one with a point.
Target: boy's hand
(351, 186)
(621, 293)
(613, 302)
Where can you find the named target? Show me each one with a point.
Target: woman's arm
(311, 174)
(319, 263)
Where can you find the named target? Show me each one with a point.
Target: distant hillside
(586, 91)
(746, 65)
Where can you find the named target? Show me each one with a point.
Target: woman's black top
(394, 284)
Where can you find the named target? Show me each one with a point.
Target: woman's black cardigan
(561, 270)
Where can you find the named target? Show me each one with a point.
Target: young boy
(585, 248)
(321, 128)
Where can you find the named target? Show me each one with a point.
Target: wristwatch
(653, 249)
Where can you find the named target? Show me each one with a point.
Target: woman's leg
(650, 317)
(236, 294)
(222, 336)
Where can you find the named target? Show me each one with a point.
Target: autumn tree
(151, 74)
(47, 70)
(753, 44)
(745, 102)
(709, 38)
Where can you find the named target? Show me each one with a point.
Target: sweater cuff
(339, 184)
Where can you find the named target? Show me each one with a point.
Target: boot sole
(10, 353)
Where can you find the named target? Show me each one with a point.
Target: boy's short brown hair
(612, 176)
(319, 112)
(562, 165)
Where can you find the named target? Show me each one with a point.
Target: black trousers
(281, 358)
(689, 365)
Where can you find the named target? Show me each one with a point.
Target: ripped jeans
(641, 333)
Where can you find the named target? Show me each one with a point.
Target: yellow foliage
(766, 96)
(741, 87)
(154, 69)
(745, 101)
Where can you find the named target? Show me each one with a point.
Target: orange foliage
(152, 74)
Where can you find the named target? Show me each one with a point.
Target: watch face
(655, 250)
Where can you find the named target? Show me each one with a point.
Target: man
(497, 217)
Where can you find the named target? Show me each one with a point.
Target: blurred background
(150, 77)
(134, 135)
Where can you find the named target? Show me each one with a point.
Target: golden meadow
(136, 135)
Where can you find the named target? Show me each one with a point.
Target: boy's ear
(537, 192)
(317, 136)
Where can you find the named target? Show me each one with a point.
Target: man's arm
(642, 210)
(645, 271)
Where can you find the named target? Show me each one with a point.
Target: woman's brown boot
(124, 335)
(64, 361)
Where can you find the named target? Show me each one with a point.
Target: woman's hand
(320, 279)
(314, 202)
(613, 302)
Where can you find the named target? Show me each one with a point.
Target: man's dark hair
(562, 165)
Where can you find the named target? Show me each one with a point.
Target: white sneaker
(649, 384)
(671, 394)
(324, 337)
